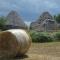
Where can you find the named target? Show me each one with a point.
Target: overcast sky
(29, 10)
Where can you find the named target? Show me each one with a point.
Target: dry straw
(13, 42)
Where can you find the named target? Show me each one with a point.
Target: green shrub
(40, 37)
(57, 36)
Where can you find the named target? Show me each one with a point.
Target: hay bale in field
(14, 41)
(8, 45)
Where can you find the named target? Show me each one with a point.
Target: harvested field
(42, 51)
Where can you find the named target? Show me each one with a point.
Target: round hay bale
(8, 45)
(14, 41)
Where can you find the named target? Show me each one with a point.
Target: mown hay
(13, 42)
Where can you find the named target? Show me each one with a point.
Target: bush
(57, 36)
(40, 37)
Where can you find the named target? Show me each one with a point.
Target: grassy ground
(42, 51)
(46, 48)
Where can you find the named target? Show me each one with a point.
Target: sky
(29, 10)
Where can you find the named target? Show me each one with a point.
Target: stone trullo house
(45, 23)
(14, 21)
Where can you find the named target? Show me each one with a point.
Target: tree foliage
(3, 21)
(57, 18)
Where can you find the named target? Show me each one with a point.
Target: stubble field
(44, 51)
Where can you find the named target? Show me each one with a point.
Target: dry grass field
(42, 51)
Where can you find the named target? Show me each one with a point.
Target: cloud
(28, 23)
(29, 9)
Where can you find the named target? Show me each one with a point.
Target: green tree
(2, 22)
(57, 18)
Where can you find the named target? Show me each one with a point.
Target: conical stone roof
(15, 20)
(45, 22)
(44, 16)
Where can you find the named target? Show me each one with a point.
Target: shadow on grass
(21, 56)
(18, 57)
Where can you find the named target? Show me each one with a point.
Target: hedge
(41, 37)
